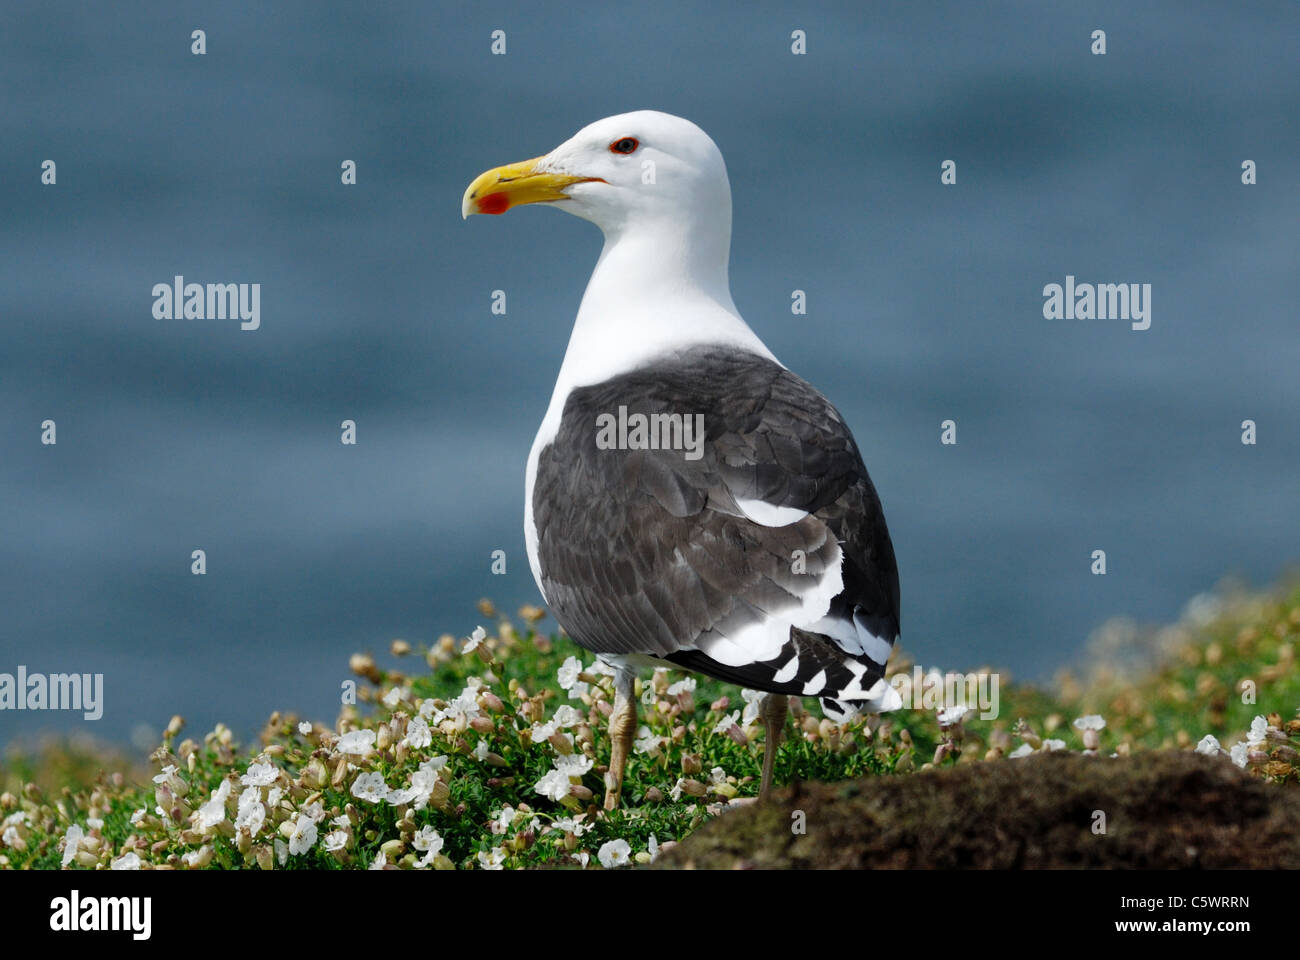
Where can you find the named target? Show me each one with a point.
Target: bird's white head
(640, 170)
(657, 187)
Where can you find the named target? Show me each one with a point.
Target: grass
(438, 766)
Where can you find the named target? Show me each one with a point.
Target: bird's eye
(626, 145)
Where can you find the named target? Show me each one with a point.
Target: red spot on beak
(493, 203)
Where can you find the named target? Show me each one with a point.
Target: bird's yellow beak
(497, 190)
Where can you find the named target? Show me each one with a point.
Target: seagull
(689, 501)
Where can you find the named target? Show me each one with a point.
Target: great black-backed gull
(753, 550)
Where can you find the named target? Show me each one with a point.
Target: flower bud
(340, 771)
(441, 795)
(199, 858)
(363, 665)
(693, 787)
(399, 648)
(482, 724)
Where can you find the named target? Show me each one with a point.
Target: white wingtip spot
(892, 700)
(768, 514)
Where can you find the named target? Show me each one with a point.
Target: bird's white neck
(655, 289)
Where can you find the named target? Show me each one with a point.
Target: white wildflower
(614, 853)
(685, 685)
(727, 722)
(567, 675)
(474, 639)
(1258, 732)
(494, 859)
(573, 765)
(569, 825)
(951, 716)
(1209, 746)
(71, 840)
(260, 774)
(214, 811)
(647, 742)
(250, 814)
(427, 839)
(567, 716)
(418, 735)
(303, 837)
(359, 743)
(370, 787)
(554, 786)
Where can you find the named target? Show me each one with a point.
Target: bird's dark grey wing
(653, 551)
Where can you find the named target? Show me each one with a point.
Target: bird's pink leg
(622, 731)
(772, 709)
